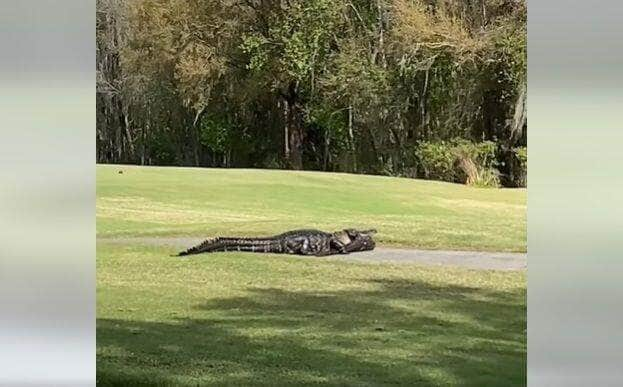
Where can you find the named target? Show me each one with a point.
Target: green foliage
(293, 43)
(459, 160)
(486, 178)
(348, 86)
(215, 132)
(272, 162)
(162, 150)
(521, 155)
(256, 47)
(507, 61)
(333, 125)
(437, 160)
(482, 153)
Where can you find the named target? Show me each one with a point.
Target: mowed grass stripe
(167, 201)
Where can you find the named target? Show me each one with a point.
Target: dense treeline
(433, 89)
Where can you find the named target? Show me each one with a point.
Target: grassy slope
(204, 202)
(254, 319)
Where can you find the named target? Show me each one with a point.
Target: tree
(346, 85)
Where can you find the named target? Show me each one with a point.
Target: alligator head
(363, 238)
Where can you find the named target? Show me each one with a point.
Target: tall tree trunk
(327, 143)
(118, 142)
(381, 28)
(484, 13)
(351, 138)
(143, 145)
(196, 142)
(423, 106)
(128, 132)
(519, 116)
(196, 147)
(296, 138)
(293, 128)
(373, 145)
(286, 129)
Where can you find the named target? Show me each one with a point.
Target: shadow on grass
(460, 336)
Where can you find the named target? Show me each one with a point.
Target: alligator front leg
(338, 245)
(355, 245)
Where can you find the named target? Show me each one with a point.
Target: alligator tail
(210, 244)
(263, 245)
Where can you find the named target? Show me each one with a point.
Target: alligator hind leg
(299, 246)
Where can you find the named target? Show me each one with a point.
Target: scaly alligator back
(303, 242)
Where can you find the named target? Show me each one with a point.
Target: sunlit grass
(257, 319)
(207, 202)
(261, 319)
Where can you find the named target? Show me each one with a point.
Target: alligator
(300, 242)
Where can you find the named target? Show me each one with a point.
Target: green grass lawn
(261, 319)
(406, 212)
(236, 319)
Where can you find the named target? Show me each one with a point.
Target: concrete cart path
(483, 260)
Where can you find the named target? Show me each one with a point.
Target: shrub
(272, 162)
(214, 133)
(521, 157)
(459, 160)
(161, 150)
(436, 160)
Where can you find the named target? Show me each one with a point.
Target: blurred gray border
(47, 192)
(47, 154)
(575, 211)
